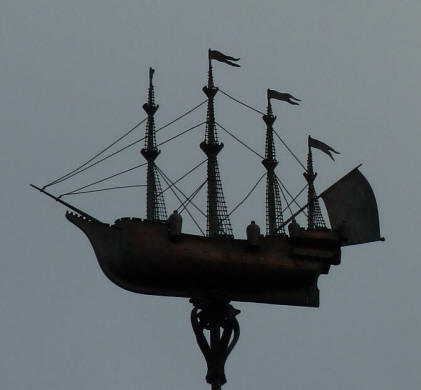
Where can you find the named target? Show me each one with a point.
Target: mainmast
(274, 217)
(218, 222)
(314, 217)
(155, 206)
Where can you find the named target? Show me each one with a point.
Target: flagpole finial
(269, 112)
(151, 72)
(268, 99)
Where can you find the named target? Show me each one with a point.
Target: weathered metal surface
(352, 209)
(140, 256)
(218, 318)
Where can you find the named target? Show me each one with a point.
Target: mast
(274, 217)
(314, 218)
(155, 206)
(218, 223)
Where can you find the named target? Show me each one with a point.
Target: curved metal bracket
(215, 316)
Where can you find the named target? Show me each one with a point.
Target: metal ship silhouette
(154, 256)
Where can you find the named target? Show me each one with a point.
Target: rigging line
(107, 188)
(181, 192)
(248, 194)
(180, 134)
(295, 198)
(289, 150)
(104, 179)
(182, 177)
(241, 142)
(103, 159)
(192, 196)
(80, 170)
(242, 103)
(286, 190)
(175, 194)
(286, 200)
(62, 178)
(182, 116)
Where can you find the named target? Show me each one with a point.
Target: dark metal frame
(218, 318)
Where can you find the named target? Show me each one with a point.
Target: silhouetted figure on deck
(293, 228)
(253, 234)
(175, 222)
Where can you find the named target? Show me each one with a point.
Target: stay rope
(182, 133)
(294, 199)
(248, 195)
(182, 177)
(102, 180)
(241, 142)
(85, 165)
(168, 181)
(289, 194)
(285, 199)
(242, 103)
(182, 207)
(78, 169)
(106, 189)
(289, 150)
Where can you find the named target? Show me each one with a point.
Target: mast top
(269, 118)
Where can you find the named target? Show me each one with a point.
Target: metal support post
(217, 317)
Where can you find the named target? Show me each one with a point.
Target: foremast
(274, 217)
(155, 206)
(218, 222)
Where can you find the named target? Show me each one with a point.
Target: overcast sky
(73, 78)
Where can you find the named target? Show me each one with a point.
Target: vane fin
(352, 209)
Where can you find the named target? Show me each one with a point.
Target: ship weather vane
(154, 256)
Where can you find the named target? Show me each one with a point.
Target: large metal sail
(352, 209)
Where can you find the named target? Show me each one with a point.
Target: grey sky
(73, 77)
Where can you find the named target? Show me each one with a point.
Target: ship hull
(141, 257)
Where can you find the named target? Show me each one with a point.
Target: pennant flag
(218, 56)
(286, 97)
(352, 209)
(314, 143)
